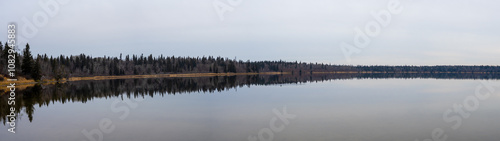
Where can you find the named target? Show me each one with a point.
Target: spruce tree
(36, 73)
(27, 64)
(1, 48)
(6, 51)
(3, 62)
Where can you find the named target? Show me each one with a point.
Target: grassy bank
(23, 82)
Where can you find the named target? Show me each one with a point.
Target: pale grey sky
(425, 32)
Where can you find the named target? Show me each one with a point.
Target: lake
(272, 107)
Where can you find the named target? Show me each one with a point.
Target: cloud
(289, 29)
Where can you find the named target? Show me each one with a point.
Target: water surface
(236, 108)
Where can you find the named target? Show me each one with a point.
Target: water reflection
(370, 109)
(83, 91)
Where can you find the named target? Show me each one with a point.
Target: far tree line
(59, 67)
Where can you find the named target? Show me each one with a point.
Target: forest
(41, 66)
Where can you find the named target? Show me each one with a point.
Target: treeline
(59, 67)
(429, 69)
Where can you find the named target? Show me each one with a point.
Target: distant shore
(29, 82)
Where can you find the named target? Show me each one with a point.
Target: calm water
(343, 110)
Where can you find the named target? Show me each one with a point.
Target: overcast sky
(424, 32)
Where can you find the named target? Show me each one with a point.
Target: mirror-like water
(260, 108)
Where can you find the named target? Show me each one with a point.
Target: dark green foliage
(36, 73)
(27, 65)
(1, 49)
(5, 51)
(4, 58)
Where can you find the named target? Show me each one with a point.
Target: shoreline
(31, 82)
(168, 75)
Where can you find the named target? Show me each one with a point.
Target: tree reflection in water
(83, 91)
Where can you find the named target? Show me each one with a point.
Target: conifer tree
(6, 51)
(36, 73)
(27, 64)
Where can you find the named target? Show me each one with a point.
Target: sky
(405, 32)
